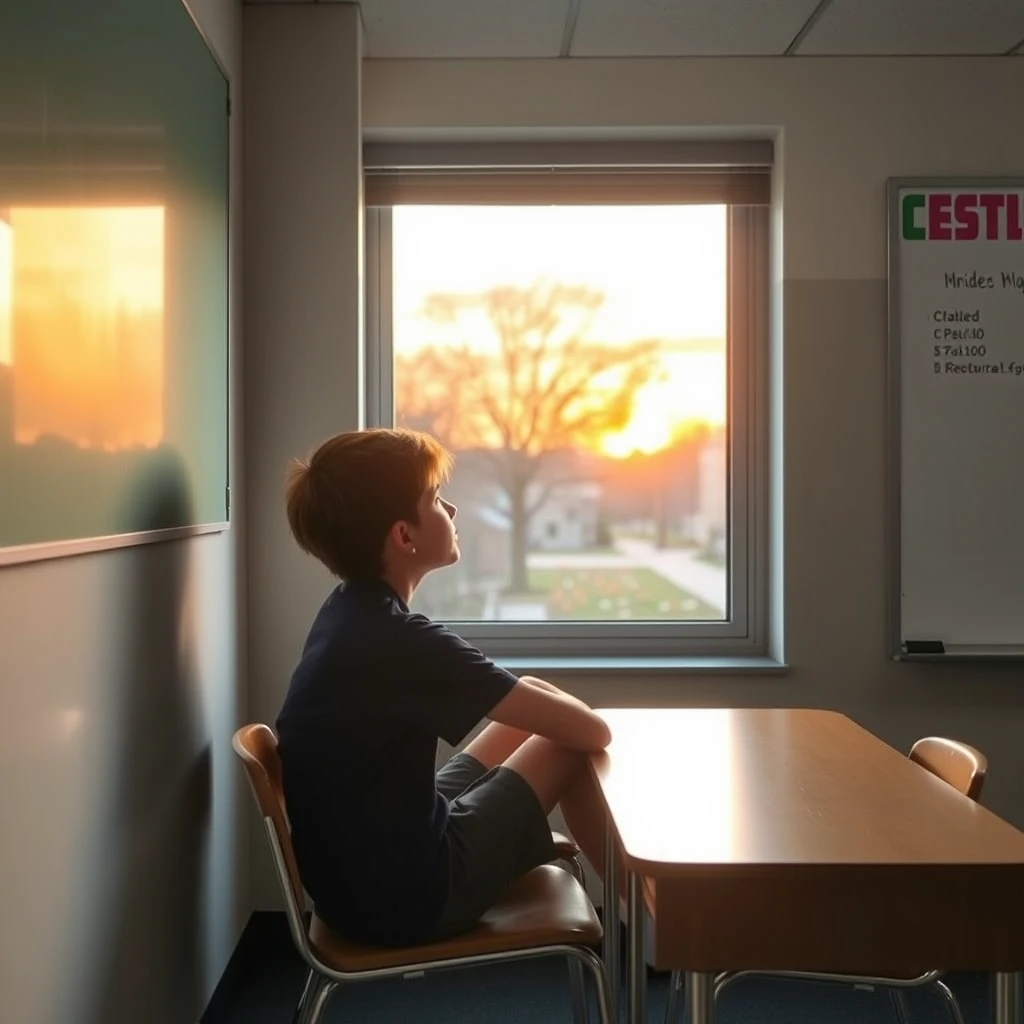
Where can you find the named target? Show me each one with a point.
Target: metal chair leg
(314, 999)
(726, 978)
(595, 965)
(578, 991)
(897, 996)
(951, 1004)
(576, 979)
(310, 975)
(899, 1005)
(675, 983)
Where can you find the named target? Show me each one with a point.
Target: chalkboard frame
(52, 549)
(898, 649)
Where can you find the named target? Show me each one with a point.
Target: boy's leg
(495, 744)
(487, 750)
(497, 830)
(560, 776)
(549, 769)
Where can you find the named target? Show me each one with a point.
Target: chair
(544, 913)
(958, 765)
(568, 851)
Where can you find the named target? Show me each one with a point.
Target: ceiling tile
(666, 28)
(916, 27)
(463, 28)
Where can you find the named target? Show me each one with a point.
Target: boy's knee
(548, 768)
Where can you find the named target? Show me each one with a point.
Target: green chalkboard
(113, 276)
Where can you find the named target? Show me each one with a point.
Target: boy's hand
(536, 706)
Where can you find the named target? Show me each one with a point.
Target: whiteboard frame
(894, 418)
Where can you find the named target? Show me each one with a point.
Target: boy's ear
(399, 539)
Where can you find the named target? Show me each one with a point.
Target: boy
(391, 853)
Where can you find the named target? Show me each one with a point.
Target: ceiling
(689, 28)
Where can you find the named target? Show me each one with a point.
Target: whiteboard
(956, 394)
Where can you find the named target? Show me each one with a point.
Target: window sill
(697, 664)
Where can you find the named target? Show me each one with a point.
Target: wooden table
(774, 839)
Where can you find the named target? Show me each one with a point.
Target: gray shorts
(497, 831)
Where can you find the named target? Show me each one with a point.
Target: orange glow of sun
(691, 390)
(85, 338)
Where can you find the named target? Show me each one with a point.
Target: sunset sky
(81, 321)
(6, 280)
(662, 270)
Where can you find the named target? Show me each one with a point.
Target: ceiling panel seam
(572, 13)
(806, 27)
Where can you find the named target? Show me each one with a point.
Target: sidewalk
(677, 565)
(681, 567)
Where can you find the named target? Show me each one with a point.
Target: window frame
(745, 630)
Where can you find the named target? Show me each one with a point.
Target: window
(590, 340)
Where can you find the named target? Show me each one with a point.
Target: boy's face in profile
(435, 537)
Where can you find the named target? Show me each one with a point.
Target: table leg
(1006, 997)
(637, 961)
(700, 997)
(610, 943)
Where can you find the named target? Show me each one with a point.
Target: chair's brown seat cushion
(545, 907)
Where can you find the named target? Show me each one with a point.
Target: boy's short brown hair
(353, 488)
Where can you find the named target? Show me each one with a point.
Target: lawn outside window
(591, 343)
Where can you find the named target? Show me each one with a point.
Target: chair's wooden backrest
(256, 745)
(956, 763)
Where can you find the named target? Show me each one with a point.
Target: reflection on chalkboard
(82, 295)
(113, 276)
(82, 348)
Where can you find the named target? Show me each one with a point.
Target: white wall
(123, 860)
(842, 127)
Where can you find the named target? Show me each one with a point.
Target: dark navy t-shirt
(374, 689)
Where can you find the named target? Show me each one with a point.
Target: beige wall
(842, 127)
(123, 861)
(303, 307)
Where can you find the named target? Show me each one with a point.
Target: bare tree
(524, 381)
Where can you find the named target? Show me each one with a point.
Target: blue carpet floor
(265, 978)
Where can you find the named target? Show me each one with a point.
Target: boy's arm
(548, 711)
(543, 684)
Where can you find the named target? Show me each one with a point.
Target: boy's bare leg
(586, 820)
(560, 776)
(549, 769)
(495, 743)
